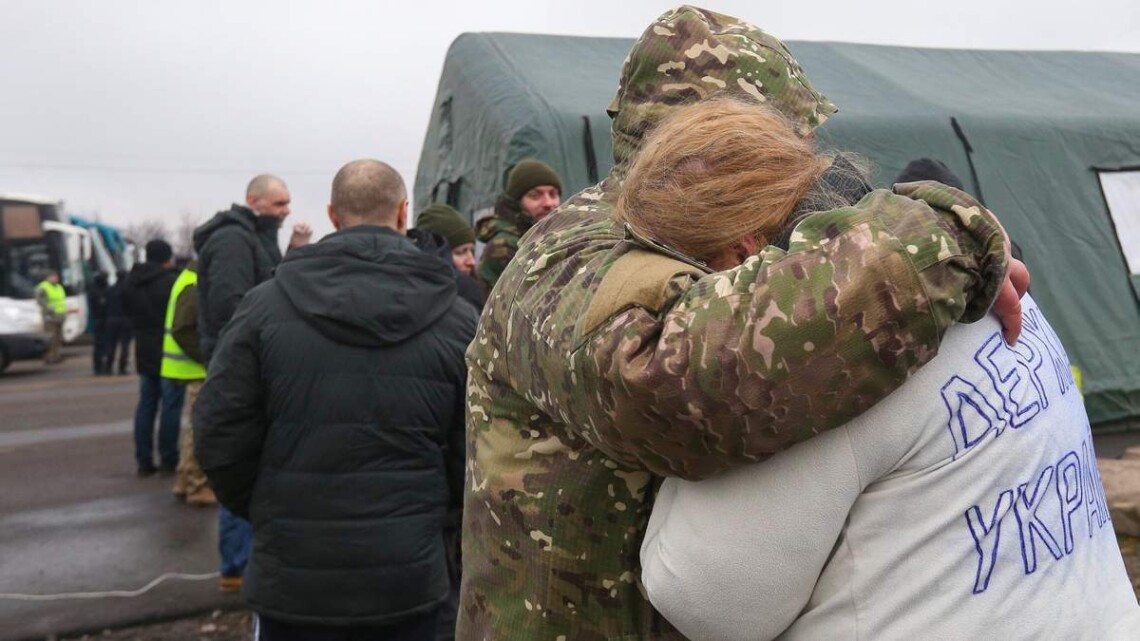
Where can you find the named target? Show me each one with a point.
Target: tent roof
(557, 74)
(506, 97)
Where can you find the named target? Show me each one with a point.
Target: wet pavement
(74, 518)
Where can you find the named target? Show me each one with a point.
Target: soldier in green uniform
(533, 191)
(605, 361)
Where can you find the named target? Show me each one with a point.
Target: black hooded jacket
(333, 418)
(467, 287)
(236, 252)
(97, 304)
(144, 296)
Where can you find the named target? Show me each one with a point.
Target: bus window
(28, 264)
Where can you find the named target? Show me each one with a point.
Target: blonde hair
(716, 172)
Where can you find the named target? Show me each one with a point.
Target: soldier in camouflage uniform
(605, 361)
(533, 190)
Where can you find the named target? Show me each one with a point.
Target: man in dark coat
(145, 295)
(118, 325)
(97, 310)
(333, 418)
(237, 250)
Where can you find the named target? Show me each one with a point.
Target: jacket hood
(688, 54)
(367, 286)
(144, 273)
(432, 244)
(508, 217)
(236, 215)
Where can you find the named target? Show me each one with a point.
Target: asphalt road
(74, 518)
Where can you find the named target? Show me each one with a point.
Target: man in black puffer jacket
(145, 295)
(237, 250)
(333, 418)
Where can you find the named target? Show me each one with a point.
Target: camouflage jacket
(602, 364)
(501, 233)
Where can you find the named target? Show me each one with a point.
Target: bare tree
(184, 234)
(144, 231)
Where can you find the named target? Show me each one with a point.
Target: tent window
(447, 191)
(453, 192)
(1122, 195)
(445, 137)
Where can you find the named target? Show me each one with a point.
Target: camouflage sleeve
(747, 362)
(496, 255)
(43, 301)
(184, 328)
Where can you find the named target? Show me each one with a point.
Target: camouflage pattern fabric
(569, 430)
(688, 54)
(501, 233)
(190, 479)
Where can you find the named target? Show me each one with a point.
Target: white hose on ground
(110, 594)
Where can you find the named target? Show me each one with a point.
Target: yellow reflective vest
(175, 363)
(56, 296)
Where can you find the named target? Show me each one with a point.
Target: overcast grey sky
(135, 109)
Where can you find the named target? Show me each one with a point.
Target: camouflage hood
(508, 218)
(688, 54)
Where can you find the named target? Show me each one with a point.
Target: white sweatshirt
(967, 505)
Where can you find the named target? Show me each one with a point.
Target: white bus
(33, 243)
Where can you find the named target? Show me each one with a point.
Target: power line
(159, 170)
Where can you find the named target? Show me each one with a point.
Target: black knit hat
(158, 251)
(445, 221)
(529, 174)
(928, 169)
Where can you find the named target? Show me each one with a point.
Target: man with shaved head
(333, 419)
(237, 250)
(368, 189)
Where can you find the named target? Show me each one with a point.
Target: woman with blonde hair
(721, 179)
(891, 526)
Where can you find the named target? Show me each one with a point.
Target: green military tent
(1050, 141)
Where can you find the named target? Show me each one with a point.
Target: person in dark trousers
(237, 250)
(97, 308)
(145, 296)
(118, 327)
(333, 418)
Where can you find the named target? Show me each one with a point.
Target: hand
(302, 235)
(1007, 306)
